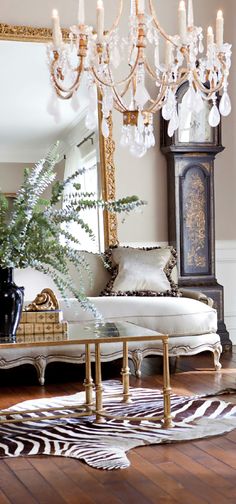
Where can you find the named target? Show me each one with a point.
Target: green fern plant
(33, 235)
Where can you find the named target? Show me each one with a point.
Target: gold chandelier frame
(165, 82)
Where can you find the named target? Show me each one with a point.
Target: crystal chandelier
(97, 55)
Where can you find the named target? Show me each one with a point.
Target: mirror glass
(28, 129)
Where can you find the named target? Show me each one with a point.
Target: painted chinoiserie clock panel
(190, 155)
(194, 197)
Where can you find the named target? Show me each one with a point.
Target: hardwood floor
(188, 473)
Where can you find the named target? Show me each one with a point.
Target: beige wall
(225, 166)
(11, 175)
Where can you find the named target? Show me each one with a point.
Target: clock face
(194, 126)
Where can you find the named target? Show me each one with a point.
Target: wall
(147, 177)
(11, 175)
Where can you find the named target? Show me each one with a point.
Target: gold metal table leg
(166, 386)
(88, 382)
(125, 372)
(98, 384)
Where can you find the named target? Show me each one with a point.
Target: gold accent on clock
(196, 222)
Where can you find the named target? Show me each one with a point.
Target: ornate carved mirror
(28, 129)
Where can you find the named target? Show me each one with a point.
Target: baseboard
(226, 276)
(230, 322)
(225, 251)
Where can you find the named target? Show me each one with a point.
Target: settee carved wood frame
(41, 356)
(106, 145)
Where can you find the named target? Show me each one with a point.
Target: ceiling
(26, 127)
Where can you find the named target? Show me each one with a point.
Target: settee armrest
(199, 296)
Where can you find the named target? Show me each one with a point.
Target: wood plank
(68, 489)
(166, 481)
(4, 499)
(88, 481)
(12, 488)
(200, 471)
(38, 486)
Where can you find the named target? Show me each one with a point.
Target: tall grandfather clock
(190, 157)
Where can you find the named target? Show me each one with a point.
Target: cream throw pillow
(141, 270)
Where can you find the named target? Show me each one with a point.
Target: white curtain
(84, 157)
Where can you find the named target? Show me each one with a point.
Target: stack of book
(42, 322)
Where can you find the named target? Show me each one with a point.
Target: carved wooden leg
(137, 358)
(40, 364)
(166, 386)
(174, 362)
(217, 354)
(98, 384)
(125, 372)
(88, 382)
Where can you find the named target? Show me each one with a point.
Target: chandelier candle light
(98, 54)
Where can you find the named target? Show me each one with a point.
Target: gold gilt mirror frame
(106, 145)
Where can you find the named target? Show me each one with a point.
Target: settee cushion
(173, 316)
(141, 271)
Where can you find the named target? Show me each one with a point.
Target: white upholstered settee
(189, 320)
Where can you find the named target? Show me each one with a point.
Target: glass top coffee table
(97, 333)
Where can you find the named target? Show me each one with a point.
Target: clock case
(191, 213)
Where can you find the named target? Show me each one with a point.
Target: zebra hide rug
(104, 446)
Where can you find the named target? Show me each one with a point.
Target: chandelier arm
(179, 81)
(205, 90)
(159, 100)
(64, 96)
(118, 99)
(158, 26)
(167, 84)
(150, 70)
(117, 20)
(123, 81)
(118, 107)
(152, 73)
(123, 93)
(59, 89)
(164, 85)
(73, 87)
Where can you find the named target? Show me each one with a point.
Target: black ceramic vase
(11, 304)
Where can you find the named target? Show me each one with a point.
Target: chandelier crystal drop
(99, 55)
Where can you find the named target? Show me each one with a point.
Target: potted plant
(32, 236)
